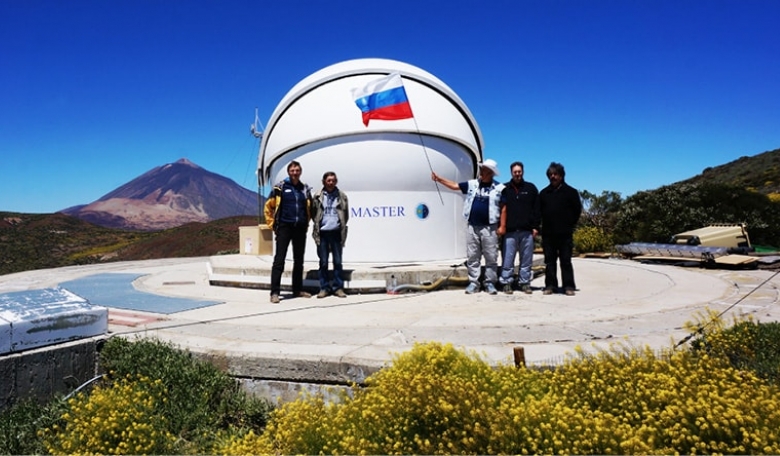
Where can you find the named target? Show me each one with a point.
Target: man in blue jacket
(287, 211)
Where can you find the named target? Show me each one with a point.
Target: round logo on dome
(422, 211)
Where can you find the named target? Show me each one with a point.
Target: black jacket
(522, 206)
(560, 208)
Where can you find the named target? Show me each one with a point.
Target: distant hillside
(760, 173)
(40, 241)
(168, 196)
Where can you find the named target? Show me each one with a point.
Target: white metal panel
(37, 318)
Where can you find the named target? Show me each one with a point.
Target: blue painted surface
(116, 291)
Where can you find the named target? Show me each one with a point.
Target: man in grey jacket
(330, 212)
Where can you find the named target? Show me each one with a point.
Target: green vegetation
(39, 241)
(718, 395)
(20, 424)
(438, 400)
(200, 399)
(655, 216)
(154, 399)
(746, 345)
(759, 173)
(743, 191)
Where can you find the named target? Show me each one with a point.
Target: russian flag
(384, 99)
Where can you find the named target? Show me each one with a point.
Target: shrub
(201, 399)
(592, 239)
(437, 400)
(21, 422)
(117, 418)
(746, 344)
(200, 395)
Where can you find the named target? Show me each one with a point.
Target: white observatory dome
(396, 213)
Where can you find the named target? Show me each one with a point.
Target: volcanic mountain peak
(169, 196)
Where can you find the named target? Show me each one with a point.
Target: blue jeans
(330, 243)
(522, 243)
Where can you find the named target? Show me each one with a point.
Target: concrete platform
(336, 340)
(252, 271)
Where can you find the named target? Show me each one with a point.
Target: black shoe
(508, 288)
(525, 288)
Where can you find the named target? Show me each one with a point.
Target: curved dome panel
(397, 214)
(321, 107)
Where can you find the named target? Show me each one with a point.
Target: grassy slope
(38, 241)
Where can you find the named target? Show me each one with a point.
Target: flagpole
(425, 151)
(385, 99)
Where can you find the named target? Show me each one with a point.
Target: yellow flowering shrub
(435, 399)
(592, 239)
(118, 418)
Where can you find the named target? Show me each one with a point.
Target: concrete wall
(48, 372)
(57, 370)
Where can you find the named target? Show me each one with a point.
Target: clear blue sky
(629, 95)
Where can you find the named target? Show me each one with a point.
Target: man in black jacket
(561, 207)
(519, 225)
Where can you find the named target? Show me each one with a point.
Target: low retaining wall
(45, 373)
(57, 370)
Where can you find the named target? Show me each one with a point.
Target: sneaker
(322, 294)
(275, 299)
(569, 292)
(508, 288)
(340, 293)
(472, 288)
(548, 291)
(490, 288)
(303, 294)
(525, 288)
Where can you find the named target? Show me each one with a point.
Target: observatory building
(397, 213)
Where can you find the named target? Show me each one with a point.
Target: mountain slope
(760, 173)
(39, 241)
(168, 196)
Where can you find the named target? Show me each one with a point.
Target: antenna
(257, 129)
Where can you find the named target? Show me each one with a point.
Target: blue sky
(628, 95)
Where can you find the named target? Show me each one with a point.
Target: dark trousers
(286, 233)
(330, 243)
(558, 247)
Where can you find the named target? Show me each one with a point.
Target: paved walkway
(341, 339)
